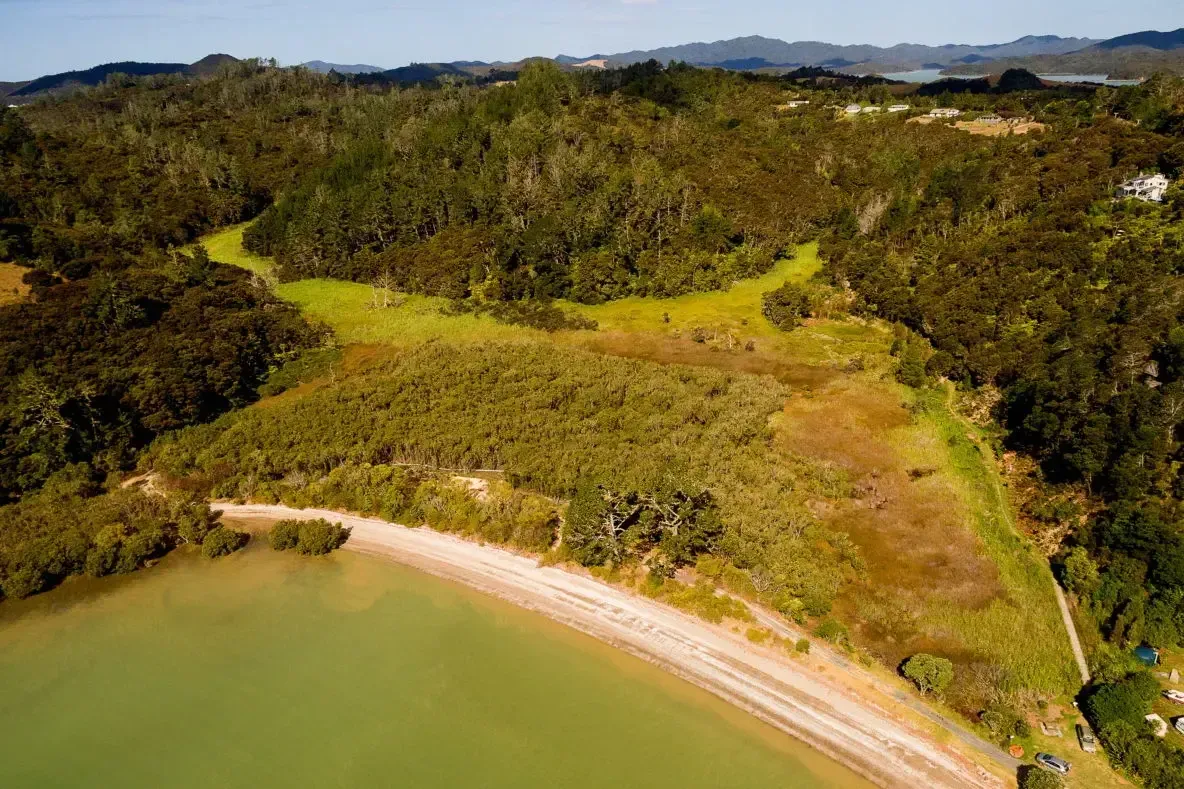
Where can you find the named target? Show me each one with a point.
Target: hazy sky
(46, 36)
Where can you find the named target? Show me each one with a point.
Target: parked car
(1179, 724)
(1055, 763)
(1089, 743)
(1174, 695)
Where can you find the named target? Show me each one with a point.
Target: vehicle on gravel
(1054, 763)
(1085, 736)
(1174, 695)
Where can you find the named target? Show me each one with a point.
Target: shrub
(222, 541)
(1004, 721)
(786, 306)
(931, 674)
(284, 535)
(803, 646)
(1036, 778)
(833, 631)
(319, 537)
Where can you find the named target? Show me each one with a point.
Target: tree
(1080, 573)
(1121, 701)
(931, 674)
(786, 306)
(222, 541)
(911, 371)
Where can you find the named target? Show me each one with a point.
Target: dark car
(1053, 762)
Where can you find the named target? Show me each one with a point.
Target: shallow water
(265, 670)
(934, 74)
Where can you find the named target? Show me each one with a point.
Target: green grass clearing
(736, 309)
(226, 246)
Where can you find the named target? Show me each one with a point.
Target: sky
(47, 36)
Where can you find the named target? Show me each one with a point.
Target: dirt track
(868, 739)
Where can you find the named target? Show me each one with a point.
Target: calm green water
(266, 670)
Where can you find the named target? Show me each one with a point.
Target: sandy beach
(866, 737)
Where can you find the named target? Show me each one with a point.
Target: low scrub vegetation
(643, 448)
(309, 537)
(72, 527)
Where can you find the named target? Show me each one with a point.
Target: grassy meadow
(946, 571)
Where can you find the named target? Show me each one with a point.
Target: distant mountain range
(357, 68)
(1130, 56)
(55, 83)
(754, 52)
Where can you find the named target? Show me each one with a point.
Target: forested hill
(96, 75)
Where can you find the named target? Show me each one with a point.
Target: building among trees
(1150, 188)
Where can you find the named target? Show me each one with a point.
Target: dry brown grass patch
(12, 290)
(667, 349)
(906, 517)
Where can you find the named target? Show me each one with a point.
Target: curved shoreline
(868, 740)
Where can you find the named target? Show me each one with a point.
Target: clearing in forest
(946, 571)
(12, 289)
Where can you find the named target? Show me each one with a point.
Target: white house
(853, 109)
(1149, 188)
(793, 105)
(871, 108)
(944, 112)
(899, 108)
(991, 119)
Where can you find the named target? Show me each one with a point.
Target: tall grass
(1022, 631)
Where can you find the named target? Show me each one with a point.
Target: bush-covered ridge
(93, 369)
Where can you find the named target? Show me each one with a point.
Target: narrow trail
(859, 731)
(1074, 641)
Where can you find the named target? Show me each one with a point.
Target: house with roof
(944, 112)
(853, 109)
(793, 105)
(871, 108)
(1148, 188)
(899, 108)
